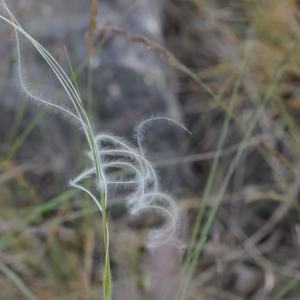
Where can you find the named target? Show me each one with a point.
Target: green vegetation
(240, 208)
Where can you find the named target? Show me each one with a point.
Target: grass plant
(107, 154)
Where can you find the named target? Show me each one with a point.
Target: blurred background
(229, 71)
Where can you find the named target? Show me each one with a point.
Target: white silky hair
(145, 194)
(111, 152)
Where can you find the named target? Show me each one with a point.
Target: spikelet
(92, 27)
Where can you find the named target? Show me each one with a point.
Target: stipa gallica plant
(113, 161)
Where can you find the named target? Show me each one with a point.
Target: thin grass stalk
(213, 211)
(17, 281)
(187, 273)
